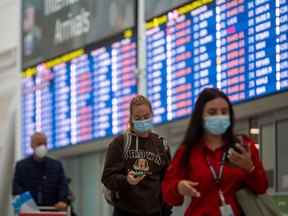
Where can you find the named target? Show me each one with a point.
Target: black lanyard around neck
(217, 178)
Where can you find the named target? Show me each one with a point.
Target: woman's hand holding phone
(134, 178)
(240, 155)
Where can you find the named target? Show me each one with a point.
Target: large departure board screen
(82, 95)
(240, 46)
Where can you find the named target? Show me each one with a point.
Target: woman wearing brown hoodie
(135, 165)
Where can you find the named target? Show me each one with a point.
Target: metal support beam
(141, 48)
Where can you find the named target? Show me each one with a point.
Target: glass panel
(86, 172)
(268, 152)
(282, 145)
(71, 167)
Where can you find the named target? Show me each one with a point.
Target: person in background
(71, 197)
(136, 174)
(42, 176)
(32, 33)
(213, 163)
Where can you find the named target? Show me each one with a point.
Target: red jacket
(233, 177)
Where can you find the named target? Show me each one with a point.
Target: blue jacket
(44, 179)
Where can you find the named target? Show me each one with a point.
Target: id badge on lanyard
(225, 209)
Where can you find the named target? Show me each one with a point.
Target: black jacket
(44, 179)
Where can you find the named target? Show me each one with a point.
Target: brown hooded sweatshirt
(151, 157)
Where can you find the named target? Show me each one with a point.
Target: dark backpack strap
(164, 143)
(127, 140)
(165, 146)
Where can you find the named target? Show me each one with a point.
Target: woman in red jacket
(211, 164)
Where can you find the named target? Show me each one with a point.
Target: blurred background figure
(32, 33)
(41, 175)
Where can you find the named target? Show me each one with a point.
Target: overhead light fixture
(254, 131)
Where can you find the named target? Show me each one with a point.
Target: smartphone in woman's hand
(138, 173)
(236, 148)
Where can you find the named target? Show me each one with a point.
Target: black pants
(119, 212)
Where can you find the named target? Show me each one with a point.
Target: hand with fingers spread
(133, 179)
(242, 158)
(187, 188)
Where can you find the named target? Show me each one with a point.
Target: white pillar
(141, 51)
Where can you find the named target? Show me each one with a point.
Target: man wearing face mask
(42, 176)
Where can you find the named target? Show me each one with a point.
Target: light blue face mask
(143, 126)
(217, 125)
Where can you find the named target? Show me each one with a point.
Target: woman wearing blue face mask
(135, 165)
(211, 164)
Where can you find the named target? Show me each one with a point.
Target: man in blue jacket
(42, 176)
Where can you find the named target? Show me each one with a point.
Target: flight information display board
(239, 46)
(82, 95)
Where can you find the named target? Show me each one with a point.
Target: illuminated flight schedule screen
(239, 46)
(82, 95)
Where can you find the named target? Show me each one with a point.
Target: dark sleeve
(166, 209)
(166, 158)
(17, 180)
(63, 185)
(114, 175)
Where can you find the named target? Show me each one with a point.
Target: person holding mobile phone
(135, 165)
(213, 163)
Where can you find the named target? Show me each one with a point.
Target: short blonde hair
(139, 100)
